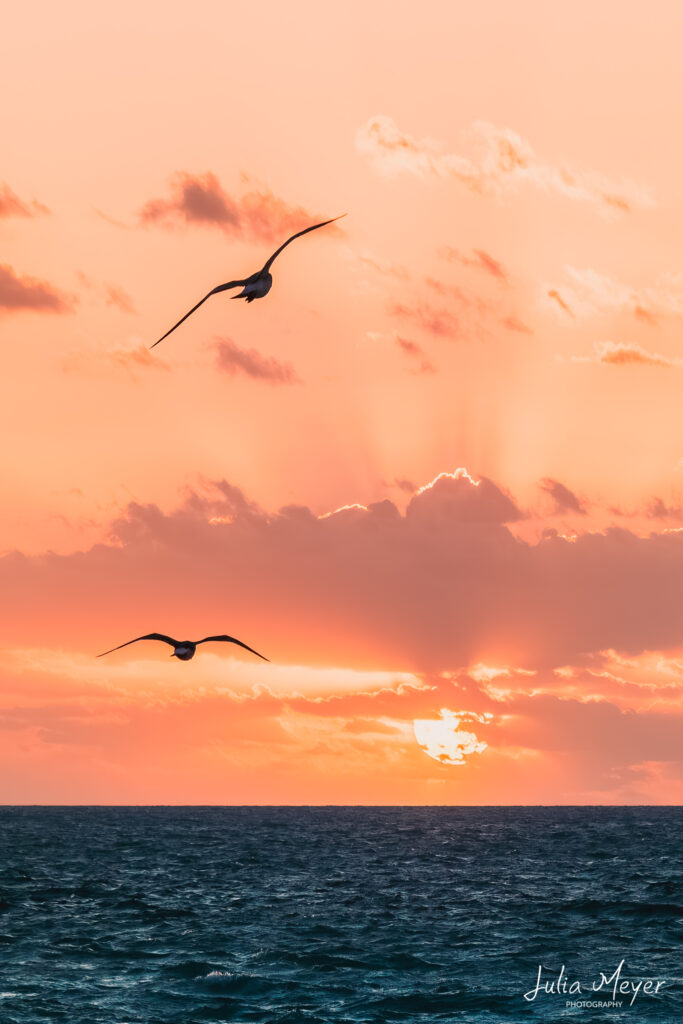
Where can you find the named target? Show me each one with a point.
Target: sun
(443, 740)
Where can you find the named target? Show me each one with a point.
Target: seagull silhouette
(184, 649)
(254, 287)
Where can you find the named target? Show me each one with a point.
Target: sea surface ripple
(315, 915)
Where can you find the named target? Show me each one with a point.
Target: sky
(435, 476)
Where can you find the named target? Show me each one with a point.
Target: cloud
(144, 729)
(405, 485)
(645, 316)
(586, 293)
(138, 358)
(442, 585)
(439, 322)
(460, 311)
(481, 261)
(504, 162)
(453, 292)
(112, 221)
(22, 293)
(553, 294)
(564, 500)
(412, 349)
(197, 200)
(113, 295)
(116, 296)
(386, 269)
(12, 206)
(457, 497)
(513, 324)
(232, 359)
(401, 484)
(100, 363)
(656, 509)
(610, 353)
(201, 200)
(482, 314)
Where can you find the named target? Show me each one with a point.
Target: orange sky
(504, 298)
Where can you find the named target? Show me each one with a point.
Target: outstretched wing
(214, 291)
(147, 636)
(231, 640)
(298, 235)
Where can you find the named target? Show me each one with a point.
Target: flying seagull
(254, 287)
(184, 649)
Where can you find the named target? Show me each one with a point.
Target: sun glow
(483, 672)
(343, 508)
(459, 474)
(444, 741)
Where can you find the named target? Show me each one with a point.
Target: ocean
(307, 915)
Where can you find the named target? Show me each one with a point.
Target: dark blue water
(183, 915)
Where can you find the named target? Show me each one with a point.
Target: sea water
(171, 915)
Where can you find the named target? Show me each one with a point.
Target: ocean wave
(331, 915)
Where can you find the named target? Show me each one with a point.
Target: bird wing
(147, 636)
(298, 235)
(231, 640)
(214, 291)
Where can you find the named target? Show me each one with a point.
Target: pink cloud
(405, 485)
(481, 261)
(412, 349)
(27, 293)
(444, 585)
(556, 297)
(127, 729)
(12, 206)
(100, 363)
(610, 353)
(232, 359)
(453, 292)
(491, 265)
(113, 295)
(658, 510)
(435, 321)
(645, 315)
(514, 324)
(196, 199)
(386, 269)
(202, 200)
(118, 297)
(587, 293)
(564, 500)
(504, 162)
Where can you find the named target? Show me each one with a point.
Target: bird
(184, 649)
(254, 287)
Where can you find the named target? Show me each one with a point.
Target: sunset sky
(436, 475)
